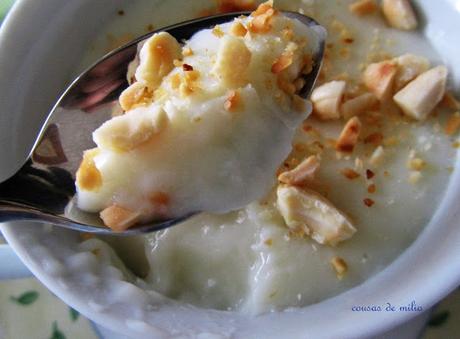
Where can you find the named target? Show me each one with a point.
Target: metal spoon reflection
(44, 188)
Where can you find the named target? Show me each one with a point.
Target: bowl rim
(440, 261)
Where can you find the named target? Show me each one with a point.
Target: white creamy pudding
(366, 173)
(206, 124)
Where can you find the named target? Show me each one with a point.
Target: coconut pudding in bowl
(365, 174)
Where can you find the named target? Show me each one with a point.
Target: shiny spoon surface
(44, 188)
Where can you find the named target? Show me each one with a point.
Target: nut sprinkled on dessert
(379, 78)
(119, 218)
(238, 29)
(350, 173)
(233, 100)
(88, 176)
(302, 174)
(363, 7)
(453, 124)
(369, 202)
(340, 266)
(399, 14)
(327, 99)
(349, 136)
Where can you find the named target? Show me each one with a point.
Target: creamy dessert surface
(388, 187)
(205, 125)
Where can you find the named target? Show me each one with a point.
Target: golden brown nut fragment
(88, 176)
(233, 59)
(409, 67)
(262, 16)
(340, 266)
(157, 59)
(306, 211)
(349, 136)
(379, 79)
(233, 101)
(363, 7)
(359, 105)
(238, 29)
(327, 98)
(377, 156)
(419, 98)
(303, 174)
(453, 124)
(399, 14)
(126, 132)
(449, 101)
(135, 95)
(119, 218)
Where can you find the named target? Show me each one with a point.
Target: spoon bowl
(44, 187)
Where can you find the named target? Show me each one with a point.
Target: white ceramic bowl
(41, 42)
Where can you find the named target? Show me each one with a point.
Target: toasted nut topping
(303, 174)
(349, 136)
(453, 124)
(156, 59)
(175, 81)
(409, 67)
(238, 29)
(232, 62)
(399, 14)
(379, 79)
(187, 67)
(233, 101)
(308, 212)
(369, 202)
(363, 7)
(187, 51)
(371, 189)
(283, 62)
(135, 95)
(350, 173)
(119, 218)
(422, 95)
(377, 157)
(340, 266)
(88, 176)
(129, 131)
(217, 31)
(327, 99)
(263, 8)
(449, 101)
(359, 105)
(369, 174)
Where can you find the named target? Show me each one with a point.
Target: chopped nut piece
(363, 7)
(369, 174)
(379, 79)
(187, 51)
(399, 14)
(135, 95)
(409, 67)
(217, 31)
(303, 174)
(449, 101)
(350, 173)
(420, 96)
(327, 99)
(453, 124)
(340, 266)
(349, 136)
(238, 29)
(88, 176)
(156, 59)
(416, 164)
(285, 60)
(359, 105)
(306, 211)
(371, 189)
(377, 157)
(119, 218)
(369, 202)
(126, 132)
(187, 67)
(232, 62)
(233, 100)
(261, 22)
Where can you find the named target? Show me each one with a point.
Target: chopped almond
(375, 139)
(369, 202)
(233, 100)
(363, 7)
(303, 174)
(350, 173)
(340, 266)
(232, 62)
(135, 95)
(377, 157)
(308, 212)
(371, 189)
(285, 60)
(157, 57)
(409, 67)
(238, 29)
(119, 218)
(349, 136)
(419, 98)
(399, 14)
(187, 67)
(88, 176)
(359, 105)
(453, 124)
(379, 79)
(449, 101)
(263, 8)
(327, 99)
(369, 174)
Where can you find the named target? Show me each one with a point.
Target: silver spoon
(43, 189)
